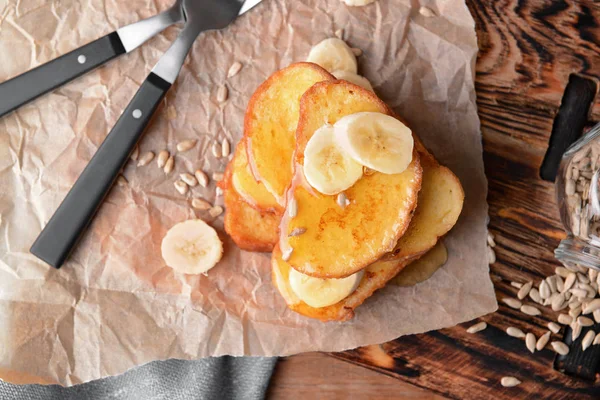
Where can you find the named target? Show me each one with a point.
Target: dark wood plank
(528, 50)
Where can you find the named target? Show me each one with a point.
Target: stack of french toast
(337, 187)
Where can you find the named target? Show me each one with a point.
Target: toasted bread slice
(250, 229)
(270, 125)
(341, 241)
(376, 276)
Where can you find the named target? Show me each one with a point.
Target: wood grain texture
(317, 376)
(528, 50)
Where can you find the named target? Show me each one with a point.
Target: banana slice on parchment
(333, 54)
(191, 247)
(327, 167)
(376, 140)
(353, 78)
(317, 292)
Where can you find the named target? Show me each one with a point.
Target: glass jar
(577, 194)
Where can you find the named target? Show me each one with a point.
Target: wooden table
(528, 51)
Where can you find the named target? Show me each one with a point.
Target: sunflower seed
(477, 327)
(145, 159)
(218, 176)
(535, 295)
(512, 303)
(342, 200)
(524, 291)
(518, 285)
(596, 315)
(559, 302)
(592, 274)
(596, 339)
(234, 69)
(428, 12)
(189, 179)
(575, 312)
(564, 319)
(201, 177)
(543, 341)
(222, 94)
(514, 332)
(169, 165)
(569, 281)
(121, 181)
(181, 187)
(135, 154)
(585, 321)
(286, 254)
(574, 303)
(551, 283)
(218, 191)
(215, 211)
(544, 290)
(293, 208)
(506, 381)
(575, 330)
(297, 232)
(530, 310)
(560, 283)
(530, 342)
(225, 148)
(201, 204)
(490, 239)
(357, 52)
(162, 158)
(560, 348)
(339, 33)
(554, 327)
(588, 339)
(562, 272)
(582, 278)
(591, 292)
(492, 256)
(216, 150)
(186, 145)
(578, 292)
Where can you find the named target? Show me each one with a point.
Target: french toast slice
(250, 229)
(340, 241)
(270, 125)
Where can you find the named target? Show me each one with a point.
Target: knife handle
(28, 86)
(69, 222)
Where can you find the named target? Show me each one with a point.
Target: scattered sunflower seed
(582, 278)
(121, 181)
(592, 274)
(215, 211)
(575, 312)
(189, 179)
(524, 291)
(186, 145)
(181, 187)
(506, 381)
(560, 348)
(490, 240)
(234, 69)
(201, 204)
(218, 176)
(135, 154)
(512, 303)
(491, 255)
(169, 165)
(560, 283)
(588, 339)
(578, 292)
(569, 281)
(585, 321)
(551, 281)
(145, 159)
(543, 341)
(535, 295)
(596, 339)
(562, 272)
(554, 327)
(477, 327)
(293, 208)
(515, 332)
(558, 303)
(530, 310)
(518, 285)
(162, 158)
(222, 94)
(287, 254)
(216, 150)
(297, 232)
(201, 177)
(225, 148)
(575, 330)
(596, 315)
(530, 342)
(544, 290)
(357, 52)
(574, 303)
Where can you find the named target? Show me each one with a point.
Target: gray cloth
(222, 378)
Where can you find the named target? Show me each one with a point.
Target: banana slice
(353, 78)
(358, 3)
(191, 247)
(327, 167)
(333, 54)
(317, 292)
(376, 140)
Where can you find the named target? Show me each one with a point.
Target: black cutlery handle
(69, 222)
(28, 86)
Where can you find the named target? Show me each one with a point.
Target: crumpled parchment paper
(115, 304)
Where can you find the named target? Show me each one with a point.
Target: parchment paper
(115, 304)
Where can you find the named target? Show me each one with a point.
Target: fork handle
(28, 86)
(69, 222)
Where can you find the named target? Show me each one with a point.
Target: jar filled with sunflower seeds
(578, 193)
